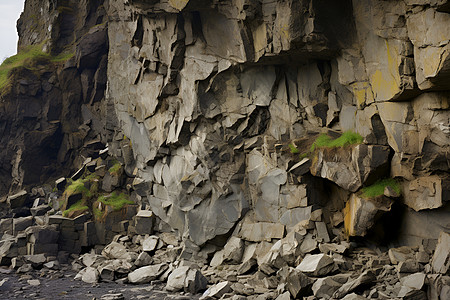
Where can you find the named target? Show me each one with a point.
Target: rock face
(205, 92)
(214, 111)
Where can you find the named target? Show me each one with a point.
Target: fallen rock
(149, 243)
(298, 284)
(325, 287)
(147, 273)
(441, 257)
(366, 277)
(410, 283)
(354, 296)
(187, 279)
(400, 254)
(117, 251)
(233, 250)
(143, 259)
(90, 275)
(34, 282)
(117, 296)
(217, 291)
(316, 265)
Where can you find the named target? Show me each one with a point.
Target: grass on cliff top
(79, 206)
(25, 58)
(116, 201)
(377, 189)
(346, 139)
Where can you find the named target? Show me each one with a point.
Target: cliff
(242, 119)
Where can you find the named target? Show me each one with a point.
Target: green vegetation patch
(294, 150)
(116, 201)
(377, 189)
(115, 169)
(346, 139)
(77, 187)
(27, 58)
(79, 206)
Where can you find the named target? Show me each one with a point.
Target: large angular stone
(360, 213)
(147, 273)
(187, 279)
(316, 265)
(441, 257)
(298, 284)
(233, 250)
(425, 193)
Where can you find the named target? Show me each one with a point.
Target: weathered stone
(17, 200)
(187, 279)
(149, 243)
(20, 224)
(117, 296)
(316, 265)
(360, 213)
(441, 258)
(90, 275)
(400, 254)
(411, 282)
(217, 291)
(143, 259)
(366, 277)
(147, 273)
(117, 251)
(144, 222)
(298, 284)
(325, 287)
(424, 193)
(34, 282)
(233, 250)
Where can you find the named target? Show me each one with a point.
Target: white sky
(9, 13)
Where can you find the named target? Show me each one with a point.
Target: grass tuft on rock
(77, 187)
(116, 201)
(77, 207)
(26, 58)
(115, 169)
(377, 189)
(346, 139)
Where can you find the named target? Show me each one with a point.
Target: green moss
(115, 169)
(27, 59)
(377, 189)
(116, 201)
(79, 206)
(77, 187)
(294, 150)
(346, 139)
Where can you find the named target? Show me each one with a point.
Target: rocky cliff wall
(212, 93)
(216, 98)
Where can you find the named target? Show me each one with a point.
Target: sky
(9, 13)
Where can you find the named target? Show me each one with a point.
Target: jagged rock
(233, 250)
(360, 213)
(354, 296)
(149, 243)
(425, 193)
(144, 222)
(408, 266)
(325, 287)
(187, 279)
(284, 296)
(147, 273)
(400, 254)
(366, 277)
(17, 200)
(441, 258)
(20, 224)
(350, 171)
(316, 265)
(143, 259)
(117, 251)
(298, 284)
(410, 283)
(90, 275)
(36, 260)
(217, 291)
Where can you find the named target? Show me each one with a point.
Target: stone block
(144, 222)
(17, 200)
(441, 257)
(20, 224)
